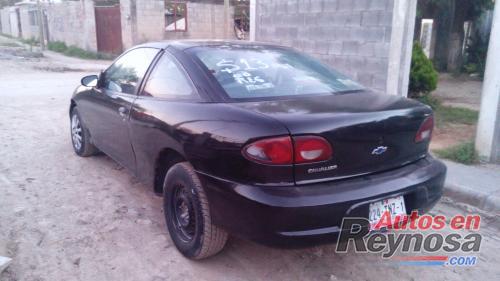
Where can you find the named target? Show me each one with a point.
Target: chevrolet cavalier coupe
(256, 140)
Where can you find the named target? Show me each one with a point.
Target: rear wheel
(80, 136)
(187, 214)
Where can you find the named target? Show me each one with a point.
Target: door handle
(122, 111)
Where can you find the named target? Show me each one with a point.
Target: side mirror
(90, 81)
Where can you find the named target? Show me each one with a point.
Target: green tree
(450, 16)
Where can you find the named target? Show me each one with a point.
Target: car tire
(80, 137)
(187, 214)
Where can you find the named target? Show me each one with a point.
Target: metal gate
(108, 29)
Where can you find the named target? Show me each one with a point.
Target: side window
(126, 73)
(167, 80)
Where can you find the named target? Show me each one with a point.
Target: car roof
(186, 44)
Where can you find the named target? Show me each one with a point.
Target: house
(110, 28)
(147, 20)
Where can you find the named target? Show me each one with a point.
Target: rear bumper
(303, 215)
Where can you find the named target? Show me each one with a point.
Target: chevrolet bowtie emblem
(379, 150)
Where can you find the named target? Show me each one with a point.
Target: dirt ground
(461, 91)
(63, 217)
(450, 135)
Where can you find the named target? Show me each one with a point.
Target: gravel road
(68, 218)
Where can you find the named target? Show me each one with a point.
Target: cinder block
(311, 18)
(368, 34)
(316, 6)
(360, 5)
(292, 7)
(335, 48)
(331, 6)
(378, 4)
(386, 18)
(387, 34)
(343, 34)
(365, 79)
(321, 47)
(350, 48)
(367, 49)
(379, 82)
(381, 49)
(308, 46)
(345, 5)
(376, 65)
(304, 5)
(357, 62)
(371, 18)
(324, 19)
(353, 19)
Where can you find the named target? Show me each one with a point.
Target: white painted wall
(403, 25)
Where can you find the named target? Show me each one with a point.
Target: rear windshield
(259, 72)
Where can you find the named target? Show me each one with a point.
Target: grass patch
(57, 46)
(449, 114)
(32, 41)
(73, 51)
(464, 153)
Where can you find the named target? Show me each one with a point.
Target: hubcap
(183, 213)
(76, 132)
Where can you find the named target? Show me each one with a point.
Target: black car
(256, 140)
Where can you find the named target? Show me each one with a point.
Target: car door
(109, 109)
(158, 110)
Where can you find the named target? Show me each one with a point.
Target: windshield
(260, 72)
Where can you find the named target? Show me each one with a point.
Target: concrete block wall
(29, 31)
(143, 21)
(73, 22)
(353, 36)
(5, 20)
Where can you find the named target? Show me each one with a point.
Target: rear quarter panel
(209, 135)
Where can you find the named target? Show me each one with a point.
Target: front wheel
(80, 137)
(187, 214)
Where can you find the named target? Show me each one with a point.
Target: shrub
(57, 46)
(423, 76)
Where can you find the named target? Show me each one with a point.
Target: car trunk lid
(368, 132)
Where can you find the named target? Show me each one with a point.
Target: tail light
(277, 151)
(425, 130)
(281, 150)
(311, 149)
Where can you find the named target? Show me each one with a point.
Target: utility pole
(488, 127)
(253, 23)
(40, 25)
(226, 19)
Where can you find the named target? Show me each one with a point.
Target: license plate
(395, 206)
